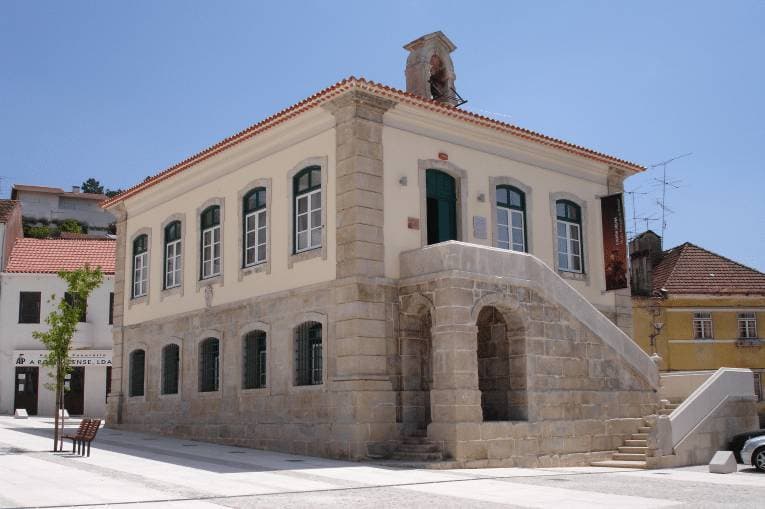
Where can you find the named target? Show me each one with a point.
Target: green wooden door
(442, 206)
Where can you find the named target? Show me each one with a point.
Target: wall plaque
(479, 227)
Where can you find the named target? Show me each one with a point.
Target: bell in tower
(429, 69)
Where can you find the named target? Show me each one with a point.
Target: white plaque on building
(479, 227)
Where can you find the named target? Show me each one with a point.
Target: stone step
(629, 457)
(665, 411)
(424, 447)
(645, 429)
(639, 436)
(636, 443)
(418, 456)
(620, 464)
(415, 440)
(629, 449)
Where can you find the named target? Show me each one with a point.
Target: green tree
(70, 226)
(62, 324)
(37, 232)
(111, 193)
(92, 186)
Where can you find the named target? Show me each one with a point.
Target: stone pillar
(455, 396)
(623, 297)
(361, 312)
(115, 398)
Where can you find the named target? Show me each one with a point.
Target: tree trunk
(58, 403)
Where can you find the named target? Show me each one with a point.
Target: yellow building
(696, 309)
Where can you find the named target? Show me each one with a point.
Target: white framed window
(140, 266)
(308, 225)
(511, 218)
(173, 255)
(747, 325)
(702, 325)
(210, 242)
(569, 236)
(255, 227)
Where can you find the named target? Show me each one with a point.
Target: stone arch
(501, 353)
(415, 348)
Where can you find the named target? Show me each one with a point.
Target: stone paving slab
(144, 471)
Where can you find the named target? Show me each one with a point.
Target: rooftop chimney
(75, 189)
(429, 69)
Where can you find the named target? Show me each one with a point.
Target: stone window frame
(144, 299)
(199, 339)
(243, 331)
(585, 246)
(177, 290)
(128, 379)
(215, 280)
(179, 343)
(323, 163)
(263, 267)
(294, 323)
(505, 180)
(461, 178)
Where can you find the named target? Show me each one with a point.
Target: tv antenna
(632, 195)
(663, 182)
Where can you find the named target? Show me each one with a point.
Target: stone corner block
(723, 462)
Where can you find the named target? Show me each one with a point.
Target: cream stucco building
(373, 272)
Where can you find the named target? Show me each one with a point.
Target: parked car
(738, 441)
(753, 452)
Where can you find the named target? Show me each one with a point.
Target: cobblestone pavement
(145, 471)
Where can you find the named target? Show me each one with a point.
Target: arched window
(254, 360)
(210, 241)
(209, 365)
(308, 354)
(171, 356)
(569, 233)
(173, 262)
(137, 370)
(307, 220)
(511, 218)
(140, 266)
(254, 208)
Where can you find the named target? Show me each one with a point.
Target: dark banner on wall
(614, 241)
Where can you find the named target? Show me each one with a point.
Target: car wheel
(758, 459)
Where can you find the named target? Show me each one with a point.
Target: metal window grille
(702, 325)
(170, 369)
(254, 360)
(137, 369)
(209, 365)
(308, 354)
(747, 325)
(758, 386)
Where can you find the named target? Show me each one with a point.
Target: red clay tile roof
(55, 190)
(52, 255)
(382, 90)
(6, 207)
(689, 269)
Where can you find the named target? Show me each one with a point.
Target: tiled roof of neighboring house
(52, 255)
(352, 83)
(690, 269)
(55, 190)
(86, 236)
(6, 207)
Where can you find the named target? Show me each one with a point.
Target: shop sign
(85, 358)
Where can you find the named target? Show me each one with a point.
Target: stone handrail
(724, 384)
(527, 270)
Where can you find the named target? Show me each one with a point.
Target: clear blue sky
(121, 90)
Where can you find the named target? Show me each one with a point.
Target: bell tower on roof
(429, 69)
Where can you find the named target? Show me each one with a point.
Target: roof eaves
(385, 90)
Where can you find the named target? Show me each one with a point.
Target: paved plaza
(144, 471)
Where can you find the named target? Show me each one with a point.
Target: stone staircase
(635, 452)
(416, 448)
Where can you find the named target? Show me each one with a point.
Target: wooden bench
(85, 434)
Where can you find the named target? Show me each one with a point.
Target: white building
(29, 290)
(52, 204)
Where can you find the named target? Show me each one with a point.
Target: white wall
(46, 206)
(270, 156)
(95, 334)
